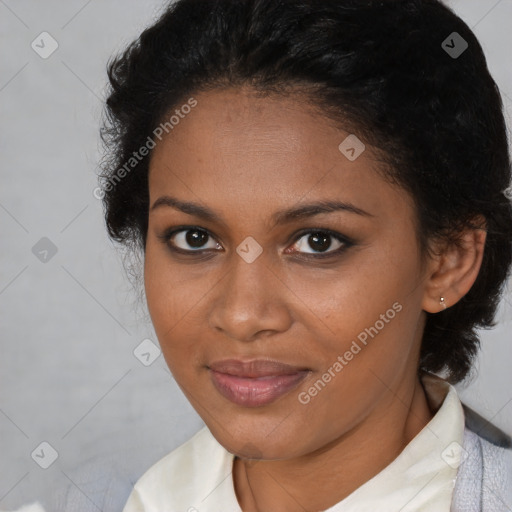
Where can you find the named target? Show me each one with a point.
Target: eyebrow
(280, 217)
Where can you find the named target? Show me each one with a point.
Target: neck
(319, 480)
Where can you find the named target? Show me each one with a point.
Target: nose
(251, 301)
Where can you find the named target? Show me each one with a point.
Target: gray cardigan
(483, 484)
(484, 480)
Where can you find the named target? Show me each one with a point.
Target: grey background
(69, 325)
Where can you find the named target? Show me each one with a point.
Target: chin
(249, 444)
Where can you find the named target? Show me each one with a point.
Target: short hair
(381, 68)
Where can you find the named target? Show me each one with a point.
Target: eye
(312, 243)
(319, 242)
(183, 240)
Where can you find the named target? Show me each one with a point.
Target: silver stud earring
(442, 302)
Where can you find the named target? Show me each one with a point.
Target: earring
(442, 302)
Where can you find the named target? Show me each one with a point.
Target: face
(335, 293)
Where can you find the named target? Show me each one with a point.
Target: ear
(454, 268)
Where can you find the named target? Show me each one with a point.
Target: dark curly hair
(379, 67)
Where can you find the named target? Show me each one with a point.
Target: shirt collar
(422, 477)
(197, 476)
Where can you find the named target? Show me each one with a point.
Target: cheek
(166, 292)
(352, 298)
(169, 289)
(175, 298)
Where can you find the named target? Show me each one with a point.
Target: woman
(319, 192)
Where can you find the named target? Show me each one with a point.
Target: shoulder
(485, 475)
(115, 484)
(496, 473)
(104, 482)
(181, 461)
(100, 484)
(485, 429)
(196, 474)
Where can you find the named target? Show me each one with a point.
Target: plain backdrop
(69, 319)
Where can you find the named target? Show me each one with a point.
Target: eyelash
(347, 242)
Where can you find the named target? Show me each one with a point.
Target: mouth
(255, 383)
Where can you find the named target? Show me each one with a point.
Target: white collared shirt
(197, 476)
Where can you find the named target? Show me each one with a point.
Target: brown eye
(319, 242)
(190, 239)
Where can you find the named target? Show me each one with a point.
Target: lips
(255, 368)
(255, 383)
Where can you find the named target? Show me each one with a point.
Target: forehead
(229, 125)
(237, 148)
(240, 120)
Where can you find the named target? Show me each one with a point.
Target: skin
(245, 158)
